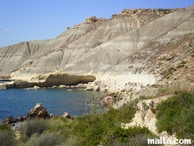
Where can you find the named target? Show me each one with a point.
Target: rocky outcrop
(37, 112)
(157, 11)
(145, 116)
(23, 84)
(61, 78)
(93, 19)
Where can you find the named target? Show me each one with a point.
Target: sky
(24, 20)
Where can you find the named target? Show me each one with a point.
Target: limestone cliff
(133, 49)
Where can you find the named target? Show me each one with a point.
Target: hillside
(131, 50)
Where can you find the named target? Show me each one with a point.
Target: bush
(7, 137)
(176, 115)
(137, 140)
(91, 129)
(71, 141)
(52, 139)
(34, 126)
(130, 137)
(165, 11)
(5, 127)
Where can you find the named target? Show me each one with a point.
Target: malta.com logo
(165, 141)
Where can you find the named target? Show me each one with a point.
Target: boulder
(91, 19)
(62, 86)
(107, 102)
(66, 115)
(36, 87)
(38, 111)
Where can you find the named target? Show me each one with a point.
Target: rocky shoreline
(105, 102)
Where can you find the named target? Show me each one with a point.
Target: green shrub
(71, 141)
(165, 11)
(34, 126)
(5, 127)
(52, 139)
(182, 64)
(90, 129)
(176, 115)
(139, 139)
(7, 138)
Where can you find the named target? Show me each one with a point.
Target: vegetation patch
(7, 137)
(91, 129)
(101, 129)
(182, 64)
(35, 126)
(167, 73)
(176, 115)
(165, 11)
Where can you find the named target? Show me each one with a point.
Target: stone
(62, 86)
(36, 87)
(51, 115)
(66, 115)
(166, 57)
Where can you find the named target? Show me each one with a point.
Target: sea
(18, 102)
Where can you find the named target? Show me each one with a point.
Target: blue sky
(23, 20)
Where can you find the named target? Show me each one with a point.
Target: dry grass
(173, 88)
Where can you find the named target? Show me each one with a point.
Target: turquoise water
(18, 102)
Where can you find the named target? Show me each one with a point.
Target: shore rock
(66, 115)
(2, 86)
(38, 111)
(11, 120)
(62, 86)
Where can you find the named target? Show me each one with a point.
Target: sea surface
(18, 102)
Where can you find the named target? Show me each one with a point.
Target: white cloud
(6, 29)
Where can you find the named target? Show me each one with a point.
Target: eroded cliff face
(131, 50)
